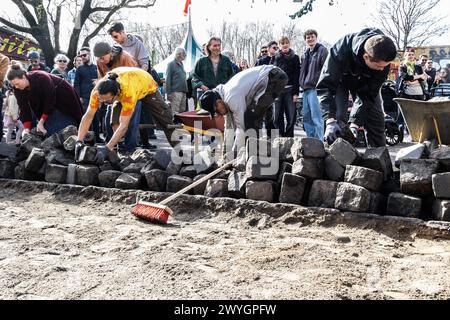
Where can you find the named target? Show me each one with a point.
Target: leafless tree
(245, 40)
(45, 20)
(161, 41)
(410, 22)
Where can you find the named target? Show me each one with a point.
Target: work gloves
(102, 155)
(338, 129)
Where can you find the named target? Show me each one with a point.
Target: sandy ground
(63, 244)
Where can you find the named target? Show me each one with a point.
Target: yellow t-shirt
(135, 84)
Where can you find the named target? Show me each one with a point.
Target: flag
(186, 7)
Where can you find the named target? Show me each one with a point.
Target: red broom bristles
(149, 213)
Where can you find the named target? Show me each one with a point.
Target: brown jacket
(4, 64)
(120, 59)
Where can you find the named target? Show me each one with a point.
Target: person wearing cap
(34, 58)
(125, 86)
(244, 100)
(111, 57)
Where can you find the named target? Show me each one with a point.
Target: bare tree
(410, 22)
(44, 20)
(161, 41)
(245, 40)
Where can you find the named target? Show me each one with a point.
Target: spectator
(431, 73)
(272, 49)
(51, 99)
(85, 79)
(11, 118)
(124, 87)
(176, 85)
(357, 63)
(289, 62)
(71, 74)
(60, 67)
(4, 64)
(230, 56)
(312, 62)
(262, 52)
(212, 70)
(111, 57)
(246, 97)
(422, 60)
(411, 77)
(35, 62)
(243, 65)
(131, 44)
(442, 77)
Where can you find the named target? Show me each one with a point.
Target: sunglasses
(84, 55)
(63, 61)
(265, 51)
(34, 62)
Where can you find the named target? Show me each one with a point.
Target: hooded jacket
(137, 50)
(120, 58)
(289, 63)
(345, 66)
(240, 92)
(311, 66)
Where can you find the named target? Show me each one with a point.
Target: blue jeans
(312, 116)
(285, 106)
(96, 120)
(58, 121)
(133, 128)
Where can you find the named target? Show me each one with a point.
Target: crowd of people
(111, 89)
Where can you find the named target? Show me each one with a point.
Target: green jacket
(204, 73)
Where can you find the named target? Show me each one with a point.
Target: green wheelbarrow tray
(427, 120)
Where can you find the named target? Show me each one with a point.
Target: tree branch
(16, 26)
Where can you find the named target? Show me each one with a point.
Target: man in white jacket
(244, 100)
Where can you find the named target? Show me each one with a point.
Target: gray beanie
(101, 49)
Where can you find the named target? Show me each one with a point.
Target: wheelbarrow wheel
(394, 135)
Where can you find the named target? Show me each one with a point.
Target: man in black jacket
(85, 80)
(289, 62)
(359, 62)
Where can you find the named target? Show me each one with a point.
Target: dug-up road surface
(67, 242)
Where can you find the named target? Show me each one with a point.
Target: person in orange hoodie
(111, 57)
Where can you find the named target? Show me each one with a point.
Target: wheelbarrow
(427, 120)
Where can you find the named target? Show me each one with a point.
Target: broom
(160, 212)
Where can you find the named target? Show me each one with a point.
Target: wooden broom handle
(196, 183)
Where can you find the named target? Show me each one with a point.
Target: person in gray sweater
(176, 84)
(244, 101)
(312, 62)
(131, 44)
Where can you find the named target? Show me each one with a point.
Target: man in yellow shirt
(123, 87)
